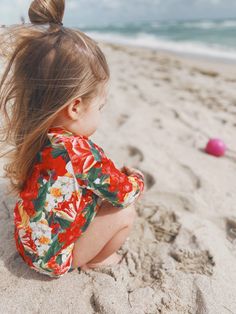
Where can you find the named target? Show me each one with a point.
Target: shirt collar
(59, 129)
(63, 131)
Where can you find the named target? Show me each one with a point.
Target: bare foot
(113, 259)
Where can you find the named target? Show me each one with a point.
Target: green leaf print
(37, 217)
(89, 217)
(40, 200)
(40, 180)
(63, 223)
(60, 152)
(49, 217)
(39, 157)
(89, 212)
(82, 176)
(42, 264)
(103, 177)
(93, 174)
(59, 259)
(94, 151)
(84, 191)
(54, 248)
(107, 194)
(85, 226)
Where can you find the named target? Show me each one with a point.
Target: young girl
(74, 207)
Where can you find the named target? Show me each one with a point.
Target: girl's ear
(74, 108)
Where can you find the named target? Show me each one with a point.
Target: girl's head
(54, 76)
(80, 117)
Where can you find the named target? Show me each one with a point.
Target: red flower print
(81, 155)
(59, 269)
(127, 187)
(31, 189)
(73, 232)
(55, 227)
(21, 250)
(58, 164)
(29, 207)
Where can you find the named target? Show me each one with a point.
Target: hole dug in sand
(231, 229)
(199, 261)
(165, 225)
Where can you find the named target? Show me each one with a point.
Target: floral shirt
(70, 178)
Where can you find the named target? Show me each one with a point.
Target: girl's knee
(125, 216)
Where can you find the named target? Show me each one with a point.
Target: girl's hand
(129, 170)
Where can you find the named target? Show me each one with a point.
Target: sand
(181, 254)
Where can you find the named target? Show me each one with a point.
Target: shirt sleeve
(95, 171)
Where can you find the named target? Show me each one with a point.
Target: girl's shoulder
(61, 137)
(57, 135)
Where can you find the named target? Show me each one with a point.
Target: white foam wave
(203, 25)
(156, 24)
(150, 41)
(229, 24)
(210, 24)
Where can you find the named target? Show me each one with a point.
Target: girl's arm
(95, 171)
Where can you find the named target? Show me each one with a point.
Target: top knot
(46, 11)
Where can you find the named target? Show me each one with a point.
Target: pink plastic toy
(215, 147)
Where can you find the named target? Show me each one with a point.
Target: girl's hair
(47, 66)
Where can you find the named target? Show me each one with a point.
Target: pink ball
(215, 147)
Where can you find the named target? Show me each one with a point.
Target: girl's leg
(104, 236)
(108, 254)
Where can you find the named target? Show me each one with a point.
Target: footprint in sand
(231, 228)
(155, 271)
(156, 84)
(196, 182)
(143, 97)
(137, 156)
(123, 87)
(136, 153)
(122, 119)
(130, 263)
(158, 123)
(135, 86)
(165, 225)
(101, 304)
(153, 103)
(178, 201)
(133, 262)
(149, 180)
(198, 261)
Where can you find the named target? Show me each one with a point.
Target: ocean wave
(203, 25)
(229, 24)
(210, 24)
(183, 47)
(165, 26)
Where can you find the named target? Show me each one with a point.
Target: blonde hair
(47, 67)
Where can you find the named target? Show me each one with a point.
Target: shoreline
(203, 62)
(203, 56)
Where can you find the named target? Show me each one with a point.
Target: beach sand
(181, 254)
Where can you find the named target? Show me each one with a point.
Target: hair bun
(46, 11)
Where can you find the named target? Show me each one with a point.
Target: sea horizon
(212, 38)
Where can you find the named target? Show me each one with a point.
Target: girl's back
(53, 210)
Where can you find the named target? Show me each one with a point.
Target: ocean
(209, 38)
